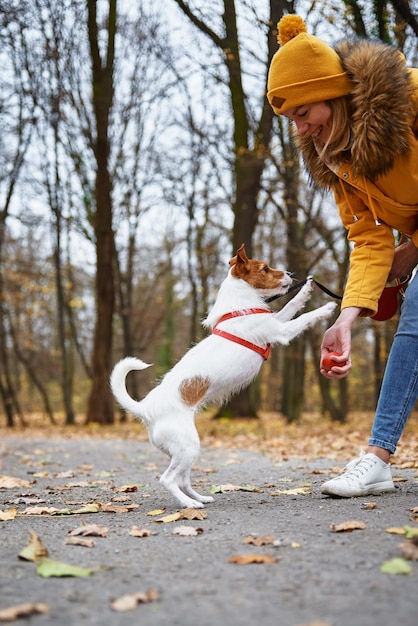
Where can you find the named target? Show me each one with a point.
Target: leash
(299, 285)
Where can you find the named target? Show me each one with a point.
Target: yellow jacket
(377, 190)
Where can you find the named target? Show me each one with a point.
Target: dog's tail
(118, 384)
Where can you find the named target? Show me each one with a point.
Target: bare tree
(100, 404)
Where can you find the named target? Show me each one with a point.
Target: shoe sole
(370, 489)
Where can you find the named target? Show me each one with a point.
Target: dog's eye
(266, 268)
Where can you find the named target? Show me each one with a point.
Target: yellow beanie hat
(304, 70)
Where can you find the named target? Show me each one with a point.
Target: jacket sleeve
(371, 256)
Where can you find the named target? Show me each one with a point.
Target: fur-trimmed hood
(384, 101)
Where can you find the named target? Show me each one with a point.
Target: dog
(220, 365)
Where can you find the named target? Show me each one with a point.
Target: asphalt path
(311, 575)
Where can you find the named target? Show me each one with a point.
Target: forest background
(137, 152)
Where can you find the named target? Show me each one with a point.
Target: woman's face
(312, 119)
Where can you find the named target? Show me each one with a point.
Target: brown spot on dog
(192, 390)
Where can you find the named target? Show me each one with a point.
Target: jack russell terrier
(243, 328)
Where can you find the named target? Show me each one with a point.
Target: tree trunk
(100, 403)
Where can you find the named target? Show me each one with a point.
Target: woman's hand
(338, 339)
(404, 261)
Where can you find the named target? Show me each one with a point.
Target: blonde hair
(340, 139)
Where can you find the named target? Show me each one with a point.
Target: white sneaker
(362, 476)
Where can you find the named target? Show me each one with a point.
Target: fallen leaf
(156, 512)
(224, 488)
(68, 474)
(42, 510)
(251, 488)
(10, 482)
(87, 508)
(85, 467)
(118, 508)
(396, 531)
(27, 500)
(411, 532)
(89, 530)
(348, 526)
(128, 488)
(191, 514)
(187, 531)
(298, 491)
(368, 506)
(139, 532)
(48, 568)
(13, 613)
(396, 566)
(267, 540)
(121, 499)
(248, 559)
(409, 549)
(129, 602)
(173, 517)
(35, 550)
(79, 541)
(6, 516)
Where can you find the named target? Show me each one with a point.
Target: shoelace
(357, 467)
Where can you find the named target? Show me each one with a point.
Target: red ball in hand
(328, 362)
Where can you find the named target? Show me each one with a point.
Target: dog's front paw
(326, 311)
(307, 288)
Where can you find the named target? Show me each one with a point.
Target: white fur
(228, 366)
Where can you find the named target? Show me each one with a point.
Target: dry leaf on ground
(10, 482)
(118, 508)
(35, 550)
(368, 506)
(129, 602)
(396, 531)
(13, 613)
(79, 541)
(348, 526)
(249, 559)
(409, 549)
(187, 531)
(191, 514)
(139, 532)
(89, 530)
(298, 491)
(255, 540)
(173, 517)
(6, 516)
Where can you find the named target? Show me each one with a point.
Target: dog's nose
(287, 279)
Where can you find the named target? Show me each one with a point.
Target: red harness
(265, 352)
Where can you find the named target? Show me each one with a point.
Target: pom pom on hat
(304, 70)
(288, 27)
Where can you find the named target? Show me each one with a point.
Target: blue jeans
(399, 390)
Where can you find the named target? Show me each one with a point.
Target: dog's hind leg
(187, 488)
(179, 438)
(175, 479)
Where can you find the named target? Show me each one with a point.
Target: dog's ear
(241, 255)
(240, 260)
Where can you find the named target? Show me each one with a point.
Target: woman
(355, 112)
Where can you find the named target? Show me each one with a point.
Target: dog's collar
(265, 352)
